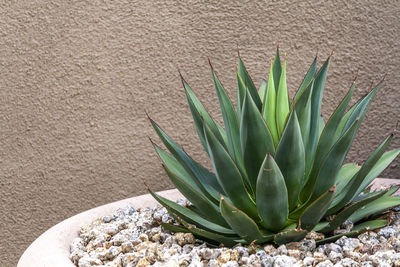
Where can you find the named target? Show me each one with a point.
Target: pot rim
(52, 248)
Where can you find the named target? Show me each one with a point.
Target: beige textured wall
(76, 77)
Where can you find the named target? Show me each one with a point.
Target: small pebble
(133, 237)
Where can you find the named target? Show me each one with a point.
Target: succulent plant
(279, 169)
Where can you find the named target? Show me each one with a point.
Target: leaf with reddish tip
(249, 84)
(206, 209)
(197, 172)
(231, 121)
(189, 215)
(357, 230)
(341, 217)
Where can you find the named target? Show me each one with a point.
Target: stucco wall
(77, 76)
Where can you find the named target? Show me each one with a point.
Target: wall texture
(77, 76)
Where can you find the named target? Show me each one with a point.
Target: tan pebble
(143, 245)
(180, 238)
(224, 257)
(315, 235)
(364, 257)
(183, 263)
(107, 244)
(366, 248)
(126, 247)
(293, 245)
(143, 262)
(156, 237)
(144, 237)
(270, 250)
(293, 253)
(173, 251)
(353, 255)
(151, 254)
(319, 256)
(189, 238)
(234, 255)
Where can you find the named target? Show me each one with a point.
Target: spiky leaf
(272, 195)
(292, 167)
(255, 139)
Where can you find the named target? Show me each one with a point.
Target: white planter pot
(51, 249)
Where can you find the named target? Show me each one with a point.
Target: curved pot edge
(51, 249)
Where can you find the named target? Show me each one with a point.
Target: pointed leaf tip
(333, 50)
(147, 115)
(146, 185)
(209, 63)
(151, 140)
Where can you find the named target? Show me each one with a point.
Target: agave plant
(279, 169)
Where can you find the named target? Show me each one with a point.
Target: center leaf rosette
(279, 169)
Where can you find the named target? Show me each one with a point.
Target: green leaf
(361, 108)
(357, 230)
(345, 118)
(327, 140)
(282, 101)
(316, 210)
(323, 178)
(277, 69)
(175, 228)
(208, 210)
(229, 176)
(196, 171)
(347, 212)
(180, 171)
(382, 163)
(255, 139)
(327, 137)
(249, 84)
(346, 172)
(210, 236)
(321, 125)
(200, 116)
(292, 167)
(392, 190)
(269, 107)
(241, 92)
(189, 215)
(320, 226)
(294, 235)
(303, 111)
(307, 80)
(272, 195)
(316, 98)
(241, 223)
(262, 90)
(377, 206)
(354, 187)
(230, 120)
